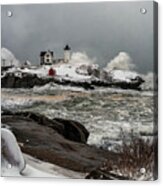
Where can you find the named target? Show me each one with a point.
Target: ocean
(108, 114)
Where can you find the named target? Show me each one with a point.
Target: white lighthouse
(67, 54)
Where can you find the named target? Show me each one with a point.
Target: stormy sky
(102, 30)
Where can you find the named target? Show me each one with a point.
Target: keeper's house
(48, 58)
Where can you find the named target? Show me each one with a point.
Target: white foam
(8, 58)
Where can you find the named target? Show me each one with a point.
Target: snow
(8, 58)
(66, 71)
(77, 68)
(14, 163)
(122, 75)
(70, 72)
(38, 168)
(12, 159)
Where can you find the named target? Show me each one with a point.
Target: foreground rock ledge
(62, 142)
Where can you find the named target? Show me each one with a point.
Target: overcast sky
(101, 30)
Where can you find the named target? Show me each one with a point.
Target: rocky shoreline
(64, 143)
(31, 80)
(58, 141)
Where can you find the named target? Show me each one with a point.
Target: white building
(67, 54)
(47, 57)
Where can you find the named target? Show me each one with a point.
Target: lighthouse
(67, 54)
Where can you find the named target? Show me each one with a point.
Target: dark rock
(70, 129)
(103, 175)
(31, 80)
(73, 130)
(46, 140)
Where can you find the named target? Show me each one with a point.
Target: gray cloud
(101, 30)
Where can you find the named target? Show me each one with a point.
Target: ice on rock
(12, 159)
(13, 163)
(122, 75)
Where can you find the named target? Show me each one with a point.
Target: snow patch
(122, 75)
(68, 71)
(12, 160)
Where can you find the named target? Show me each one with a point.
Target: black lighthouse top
(67, 47)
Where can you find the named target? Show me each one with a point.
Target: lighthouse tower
(67, 54)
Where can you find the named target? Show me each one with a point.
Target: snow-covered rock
(8, 58)
(14, 164)
(68, 71)
(122, 75)
(80, 69)
(12, 159)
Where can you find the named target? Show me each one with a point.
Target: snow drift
(124, 76)
(12, 159)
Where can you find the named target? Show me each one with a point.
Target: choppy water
(104, 112)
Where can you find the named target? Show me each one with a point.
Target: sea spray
(122, 61)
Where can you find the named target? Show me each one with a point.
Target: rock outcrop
(31, 80)
(58, 141)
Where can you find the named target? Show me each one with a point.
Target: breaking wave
(8, 58)
(18, 104)
(150, 81)
(81, 58)
(52, 88)
(122, 61)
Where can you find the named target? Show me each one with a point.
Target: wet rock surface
(31, 80)
(49, 140)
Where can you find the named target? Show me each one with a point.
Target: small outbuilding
(51, 72)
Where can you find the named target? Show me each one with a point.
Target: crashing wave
(17, 104)
(150, 81)
(8, 58)
(122, 61)
(52, 88)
